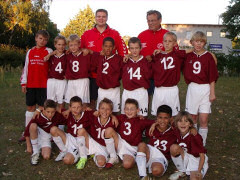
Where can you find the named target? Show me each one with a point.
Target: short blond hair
(73, 37)
(59, 37)
(174, 36)
(199, 36)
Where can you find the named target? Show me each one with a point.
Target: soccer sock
(58, 141)
(28, 117)
(110, 147)
(35, 146)
(141, 164)
(203, 132)
(195, 125)
(178, 161)
(82, 146)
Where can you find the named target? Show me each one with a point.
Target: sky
(128, 17)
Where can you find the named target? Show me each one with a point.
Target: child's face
(49, 112)
(169, 43)
(163, 120)
(60, 45)
(183, 126)
(74, 46)
(131, 110)
(41, 41)
(76, 108)
(107, 48)
(198, 45)
(105, 110)
(135, 49)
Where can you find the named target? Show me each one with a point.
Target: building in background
(216, 40)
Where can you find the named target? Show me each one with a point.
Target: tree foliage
(231, 19)
(83, 21)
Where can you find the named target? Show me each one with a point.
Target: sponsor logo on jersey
(144, 45)
(159, 45)
(91, 44)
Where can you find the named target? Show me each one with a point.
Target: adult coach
(93, 39)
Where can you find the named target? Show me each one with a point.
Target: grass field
(223, 142)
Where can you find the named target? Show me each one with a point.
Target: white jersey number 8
(75, 65)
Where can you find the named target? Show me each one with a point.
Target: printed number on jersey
(58, 68)
(196, 67)
(75, 127)
(100, 133)
(106, 65)
(184, 146)
(135, 74)
(75, 66)
(170, 65)
(161, 145)
(128, 128)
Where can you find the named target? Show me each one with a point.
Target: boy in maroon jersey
(189, 154)
(136, 75)
(153, 156)
(108, 73)
(200, 73)
(56, 83)
(38, 130)
(127, 137)
(34, 75)
(93, 142)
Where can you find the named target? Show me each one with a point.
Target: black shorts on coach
(36, 96)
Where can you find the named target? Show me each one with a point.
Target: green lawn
(223, 142)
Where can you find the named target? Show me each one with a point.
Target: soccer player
(93, 142)
(136, 75)
(154, 155)
(108, 73)
(200, 73)
(189, 154)
(77, 72)
(127, 137)
(38, 130)
(35, 74)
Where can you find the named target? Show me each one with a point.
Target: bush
(11, 56)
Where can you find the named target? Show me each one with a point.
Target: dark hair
(164, 109)
(44, 33)
(159, 15)
(75, 99)
(134, 40)
(101, 10)
(109, 39)
(49, 104)
(132, 101)
(182, 114)
(107, 101)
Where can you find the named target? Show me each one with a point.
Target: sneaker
(177, 175)
(22, 139)
(35, 158)
(60, 156)
(81, 163)
(111, 162)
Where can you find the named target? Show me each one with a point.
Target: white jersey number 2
(106, 65)
(135, 74)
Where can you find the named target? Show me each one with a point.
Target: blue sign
(215, 46)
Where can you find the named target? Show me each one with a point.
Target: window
(223, 34)
(188, 35)
(209, 33)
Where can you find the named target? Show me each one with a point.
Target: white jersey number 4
(58, 68)
(135, 74)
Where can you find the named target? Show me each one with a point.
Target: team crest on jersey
(144, 45)
(91, 44)
(159, 45)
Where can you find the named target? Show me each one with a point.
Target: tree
(83, 21)
(231, 19)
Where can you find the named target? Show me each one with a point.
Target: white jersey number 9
(196, 67)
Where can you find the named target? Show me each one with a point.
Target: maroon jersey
(200, 69)
(108, 70)
(57, 67)
(74, 124)
(78, 66)
(97, 129)
(136, 74)
(190, 143)
(46, 124)
(167, 68)
(163, 140)
(131, 129)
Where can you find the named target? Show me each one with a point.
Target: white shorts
(191, 163)
(125, 148)
(197, 99)
(166, 96)
(113, 94)
(56, 89)
(72, 147)
(78, 87)
(44, 138)
(156, 156)
(141, 95)
(97, 149)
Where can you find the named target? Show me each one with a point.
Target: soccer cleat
(111, 162)
(177, 175)
(60, 156)
(81, 163)
(35, 158)
(21, 139)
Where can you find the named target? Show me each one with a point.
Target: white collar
(137, 60)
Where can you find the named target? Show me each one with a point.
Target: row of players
(106, 137)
